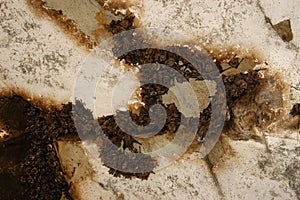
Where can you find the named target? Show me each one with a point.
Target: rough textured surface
(38, 56)
(242, 176)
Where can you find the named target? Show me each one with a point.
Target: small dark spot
(234, 62)
(295, 110)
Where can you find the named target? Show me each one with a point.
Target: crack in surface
(214, 176)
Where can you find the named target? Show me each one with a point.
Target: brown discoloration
(67, 25)
(238, 87)
(293, 124)
(34, 99)
(124, 24)
(37, 161)
(103, 22)
(242, 87)
(215, 179)
(10, 168)
(295, 110)
(231, 54)
(284, 30)
(106, 25)
(248, 110)
(12, 109)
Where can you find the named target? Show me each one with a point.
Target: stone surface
(38, 59)
(243, 176)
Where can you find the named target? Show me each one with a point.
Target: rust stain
(117, 10)
(103, 22)
(67, 25)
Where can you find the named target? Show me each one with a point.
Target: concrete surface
(39, 60)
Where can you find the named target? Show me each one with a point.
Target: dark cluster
(162, 78)
(295, 110)
(36, 170)
(118, 26)
(240, 84)
(173, 58)
(114, 156)
(39, 172)
(124, 142)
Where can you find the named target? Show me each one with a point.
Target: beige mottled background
(39, 59)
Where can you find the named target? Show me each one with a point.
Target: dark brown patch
(35, 167)
(284, 30)
(11, 109)
(240, 85)
(234, 62)
(13, 153)
(295, 110)
(121, 139)
(118, 26)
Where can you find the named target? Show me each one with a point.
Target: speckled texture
(37, 56)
